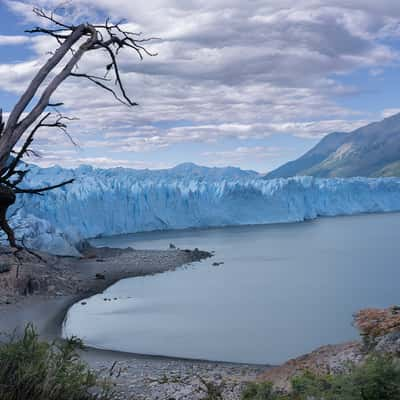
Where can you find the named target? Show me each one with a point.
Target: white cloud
(7, 40)
(388, 112)
(243, 155)
(71, 159)
(226, 69)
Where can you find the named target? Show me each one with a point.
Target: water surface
(282, 291)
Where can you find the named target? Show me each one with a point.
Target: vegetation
(213, 392)
(378, 378)
(260, 391)
(31, 369)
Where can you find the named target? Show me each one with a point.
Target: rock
(5, 267)
(51, 288)
(376, 322)
(100, 276)
(31, 287)
(389, 343)
(198, 255)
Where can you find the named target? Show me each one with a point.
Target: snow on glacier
(115, 201)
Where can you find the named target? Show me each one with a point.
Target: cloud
(242, 155)
(388, 112)
(376, 71)
(71, 159)
(9, 40)
(225, 70)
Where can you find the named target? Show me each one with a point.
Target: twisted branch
(74, 41)
(107, 37)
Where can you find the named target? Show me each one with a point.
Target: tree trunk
(7, 198)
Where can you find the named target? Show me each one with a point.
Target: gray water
(282, 291)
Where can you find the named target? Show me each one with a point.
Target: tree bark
(14, 129)
(7, 198)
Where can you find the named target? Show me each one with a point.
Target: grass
(31, 369)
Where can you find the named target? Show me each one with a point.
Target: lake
(282, 291)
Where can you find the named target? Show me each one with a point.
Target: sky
(246, 83)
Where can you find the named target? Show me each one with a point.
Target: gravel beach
(40, 291)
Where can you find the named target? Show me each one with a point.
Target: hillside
(370, 151)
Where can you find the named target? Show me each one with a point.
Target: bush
(376, 379)
(31, 369)
(260, 391)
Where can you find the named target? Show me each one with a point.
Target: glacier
(104, 202)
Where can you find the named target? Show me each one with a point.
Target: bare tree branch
(44, 189)
(105, 87)
(74, 41)
(24, 149)
(1, 122)
(13, 131)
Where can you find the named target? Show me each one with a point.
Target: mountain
(104, 202)
(370, 151)
(182, 171)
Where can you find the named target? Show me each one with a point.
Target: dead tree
(73, 41)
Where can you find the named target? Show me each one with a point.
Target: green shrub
(309, 384)
(378, 378)
(213, 392)
(31, 369)
(260, 391)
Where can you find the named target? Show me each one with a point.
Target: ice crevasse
(104, 202)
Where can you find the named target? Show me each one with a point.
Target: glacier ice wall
(40, 234)
(117, 201)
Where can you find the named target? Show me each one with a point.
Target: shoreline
(54, 284)
(46, 288)
(99, 268)
(47, 312)
(141, 376)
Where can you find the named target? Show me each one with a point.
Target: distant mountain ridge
(185, 172)
(370, 151)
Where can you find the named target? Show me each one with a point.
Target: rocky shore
(40, 288)
(24, 274)
(379, 331)
(156, 379)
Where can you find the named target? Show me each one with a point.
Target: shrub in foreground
(260, 391)
(376, 379)
(31, 369)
